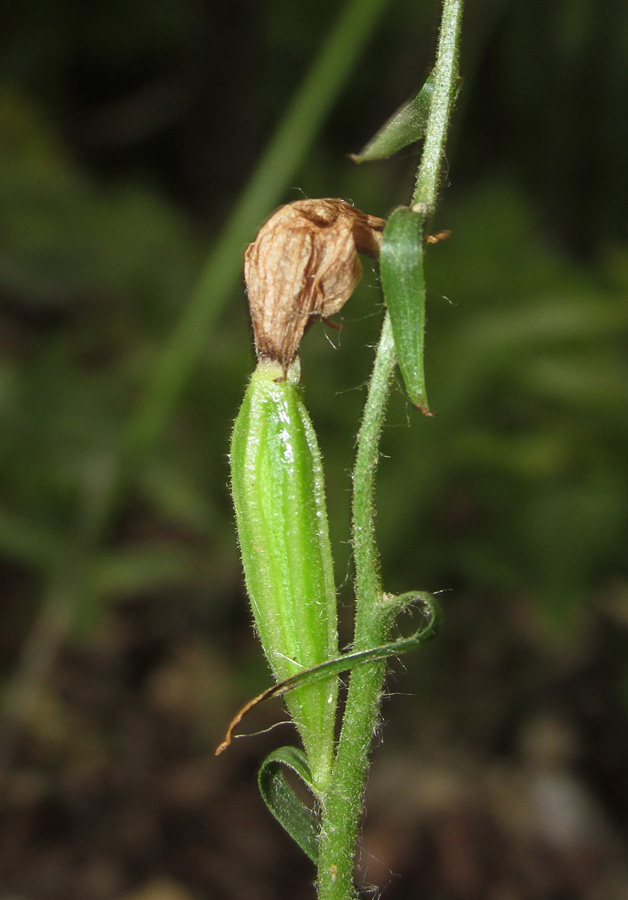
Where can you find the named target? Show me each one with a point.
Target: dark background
(127, 130)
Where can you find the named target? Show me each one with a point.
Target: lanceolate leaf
(293, 815)
(401, 267)
(404, 127)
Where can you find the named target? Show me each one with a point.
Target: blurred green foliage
(126, 133)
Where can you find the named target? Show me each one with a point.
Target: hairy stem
(445, 78)
(342, 803)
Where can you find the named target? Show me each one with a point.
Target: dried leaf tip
(303, 265)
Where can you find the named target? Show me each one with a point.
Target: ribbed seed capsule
(278, 493)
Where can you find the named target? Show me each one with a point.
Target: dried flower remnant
(304, 264)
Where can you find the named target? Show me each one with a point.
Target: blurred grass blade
(133, 571)
(401, 266)
(28, 543)
(406, 126)
(288, 146)
(293, 815)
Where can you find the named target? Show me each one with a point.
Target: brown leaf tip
(438, 237)
(303, 265)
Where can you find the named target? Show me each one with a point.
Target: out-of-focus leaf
(27, 542)
(134, 571)
(568, 531)
(173, 494)
(65, 240)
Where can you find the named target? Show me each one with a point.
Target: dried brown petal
(304, 264)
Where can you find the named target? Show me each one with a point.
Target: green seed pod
(278, 493)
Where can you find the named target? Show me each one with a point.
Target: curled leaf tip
(432, 615)
(269, 692)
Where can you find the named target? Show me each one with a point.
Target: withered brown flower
(304, 264)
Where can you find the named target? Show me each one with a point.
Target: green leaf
(406, 126)
(293, 815)
(401, 267)
(389, 609)
(432, 613)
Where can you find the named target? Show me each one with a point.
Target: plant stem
(342, 803)
(368, 585)
(445, 78)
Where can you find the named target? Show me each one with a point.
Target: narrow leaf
(432, 614)
(404, 127)
(293, 815)
(401, 267)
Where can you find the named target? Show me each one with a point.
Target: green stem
(342, 804)
(343, 800)
(368, 585)
(445, 78)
